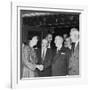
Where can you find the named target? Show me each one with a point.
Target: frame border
(16, 82)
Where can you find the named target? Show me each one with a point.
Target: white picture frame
(15, 43)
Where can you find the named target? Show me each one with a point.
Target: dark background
(34, 23)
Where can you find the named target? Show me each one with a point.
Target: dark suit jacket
(46, 62)
(60, 62)
(74, 62)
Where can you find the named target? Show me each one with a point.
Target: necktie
(73, 46)
(57, 50)
(43, 54)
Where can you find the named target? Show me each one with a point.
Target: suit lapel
(76, 51)
(57, 54)
(77, 46)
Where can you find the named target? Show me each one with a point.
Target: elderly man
(74, 60)
(60, 59)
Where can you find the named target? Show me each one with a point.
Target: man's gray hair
(44, 40)
(75, 30)
(59, 37)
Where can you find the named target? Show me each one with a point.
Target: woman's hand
(40, 67)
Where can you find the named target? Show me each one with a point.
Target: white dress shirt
(43, 54)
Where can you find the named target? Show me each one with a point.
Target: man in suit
(45, 60)
(74, 59)
(60, 59)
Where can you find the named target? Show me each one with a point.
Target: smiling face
(58, 41)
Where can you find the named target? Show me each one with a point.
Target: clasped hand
(40, 67)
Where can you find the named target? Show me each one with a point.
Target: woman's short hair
(32, 38)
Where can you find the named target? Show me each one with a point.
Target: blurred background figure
(67, 43)
(65, 36)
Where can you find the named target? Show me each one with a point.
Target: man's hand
(40, 67)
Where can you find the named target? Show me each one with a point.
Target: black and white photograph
(45, 45)
(49, 43)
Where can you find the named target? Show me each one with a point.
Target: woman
(29, 59)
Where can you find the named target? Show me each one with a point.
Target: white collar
(76, 43)
(44, 48)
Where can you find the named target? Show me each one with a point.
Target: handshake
(40, 67)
